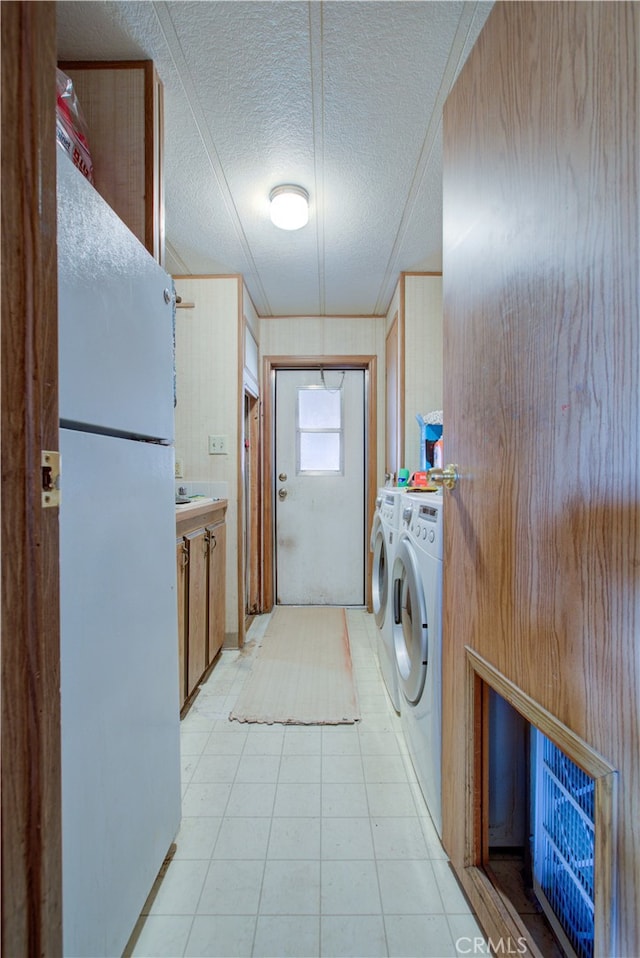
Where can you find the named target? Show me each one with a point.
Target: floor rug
(302, 673)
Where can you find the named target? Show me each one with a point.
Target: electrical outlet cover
(217, 445)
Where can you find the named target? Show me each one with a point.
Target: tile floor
(303, 841)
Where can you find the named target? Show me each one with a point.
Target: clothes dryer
(417, 640)
(384, 536)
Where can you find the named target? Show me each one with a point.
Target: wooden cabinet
(201, 569)
(122, 102)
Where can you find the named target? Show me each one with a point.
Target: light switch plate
(179, 469)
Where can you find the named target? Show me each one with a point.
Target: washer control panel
(426, 527)
(388, 507)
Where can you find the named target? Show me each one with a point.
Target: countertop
(199, 507)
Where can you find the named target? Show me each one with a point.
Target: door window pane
(319, 408)
(319, 428)
(320, 452)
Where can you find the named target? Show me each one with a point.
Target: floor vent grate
(564, 842)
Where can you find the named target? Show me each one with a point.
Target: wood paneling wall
(31, 840)
(542, 395)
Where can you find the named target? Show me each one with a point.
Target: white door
(320, 487)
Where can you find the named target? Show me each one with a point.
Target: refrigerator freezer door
(119, 684)
(115, 328)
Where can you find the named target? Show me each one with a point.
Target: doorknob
(282, 494)
(447, 477)
(282, 477)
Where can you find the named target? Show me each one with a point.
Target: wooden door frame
(248, 388)
(270, 365)
(252, 573)
(31, 765)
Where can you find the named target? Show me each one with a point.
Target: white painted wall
(207, 369)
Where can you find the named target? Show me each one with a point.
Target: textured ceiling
(343, 98)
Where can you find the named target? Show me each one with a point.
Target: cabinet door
(182, 557)
(217, 572)
(197, 546)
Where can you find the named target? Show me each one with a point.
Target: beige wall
(394, 307)
(418, 302)
(422, 357)
(331, 336)
(209, 361)
(392, 407)
(207, 367)
(251, 343)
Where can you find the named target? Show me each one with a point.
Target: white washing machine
(417, 637)
(384, 536)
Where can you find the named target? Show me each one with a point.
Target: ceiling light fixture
(289, 207)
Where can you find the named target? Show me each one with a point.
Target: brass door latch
(50, 469)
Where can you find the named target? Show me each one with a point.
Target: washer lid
(380, 577)
(410, 626)
(376, 525)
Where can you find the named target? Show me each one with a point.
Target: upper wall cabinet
(122, 102)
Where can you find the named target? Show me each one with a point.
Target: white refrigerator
(118, 608)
